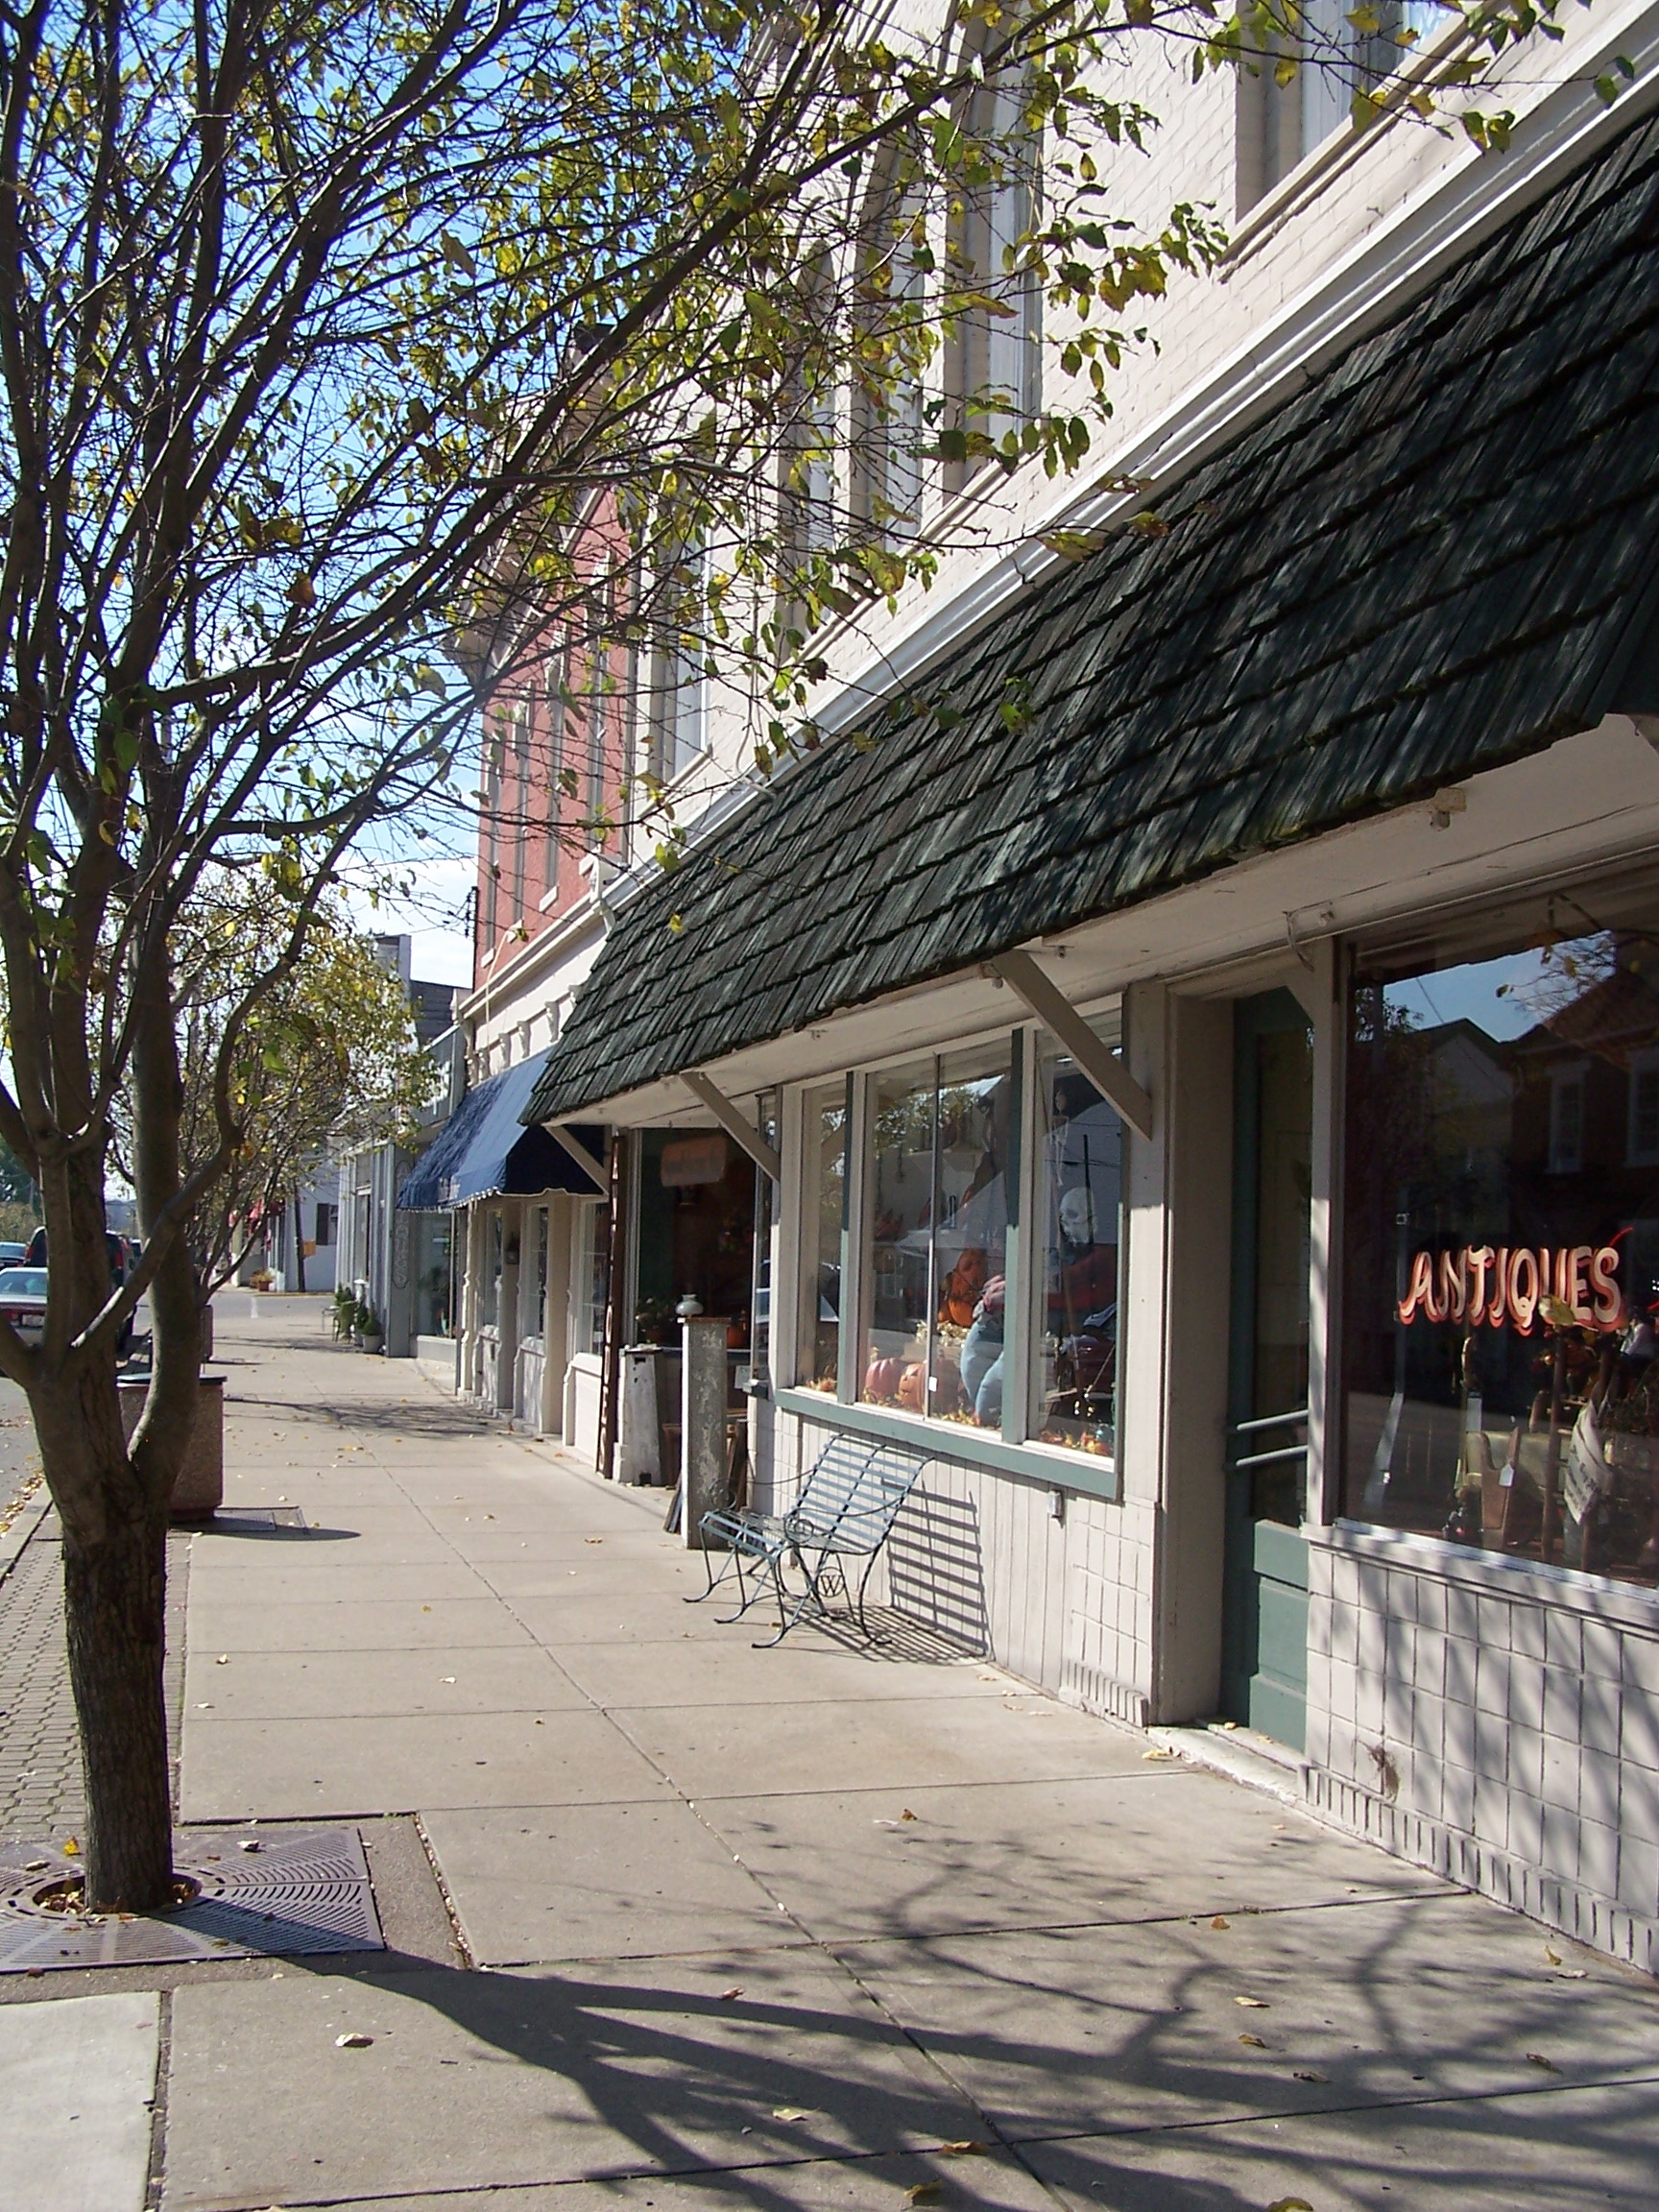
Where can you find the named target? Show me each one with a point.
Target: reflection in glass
(765, 1203)
(824, 1178)
(1502, 1246)
(1079, 1211)
(936, 1251)
(971, 1237)
(898, 1248)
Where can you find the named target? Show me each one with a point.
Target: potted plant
(367, 1330)
(344, 1311)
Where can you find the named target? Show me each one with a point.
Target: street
(673, 1921)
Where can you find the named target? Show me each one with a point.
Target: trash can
(199, 1488)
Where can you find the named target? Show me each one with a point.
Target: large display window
(1501, 1281)
(974, 1202)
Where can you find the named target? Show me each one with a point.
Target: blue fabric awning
(484, 1150)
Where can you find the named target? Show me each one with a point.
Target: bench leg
(734, 1558)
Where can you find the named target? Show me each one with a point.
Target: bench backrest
(851, 1498)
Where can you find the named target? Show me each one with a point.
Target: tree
(327, 1056)
(320, 329)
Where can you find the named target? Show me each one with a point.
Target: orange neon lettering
(1604, 1282)
(1523, 1295)
(1421, 1291)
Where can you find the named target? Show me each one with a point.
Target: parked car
(12, 1255)
(123, 1258)
(23, 1301)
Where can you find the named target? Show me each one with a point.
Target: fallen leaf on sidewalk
(592, 1539)
(1220, 1922)
(1537, 2059)
(969, 2150)
(790, 2112)
(1307, 2074)
(1555, 1957)
(1157, 1754)
(727, 1996)
(1254, 2004)
(445, 1677)
(247, 1843)
(425, 1608)
(1255, 2042)
(1290, 2204)
(71, 1849)
(352, 2042)
(907, 1814)
(222, 1660)
(922, 2192)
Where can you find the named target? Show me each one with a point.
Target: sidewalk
(673, 1921)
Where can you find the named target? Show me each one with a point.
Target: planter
(371, 1343)
(199, 1491)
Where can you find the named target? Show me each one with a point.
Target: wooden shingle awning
(1439, 556)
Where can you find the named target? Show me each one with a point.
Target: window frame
(1014, 1446)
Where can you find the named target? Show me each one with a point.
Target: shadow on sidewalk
(1145, 2113)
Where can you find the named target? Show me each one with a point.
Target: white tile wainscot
(1494, 1719)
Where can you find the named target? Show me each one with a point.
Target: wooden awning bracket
(1098, 1062)
(742, 1133)
(582, 1158)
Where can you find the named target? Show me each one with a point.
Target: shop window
(1079, 1216)
(325, 1218)
(765, 1220)
(495, 1259)
(434, 1274)
(824, 1179)
(1502, 1245)
(538, 1279)
(592, 1278)
(936, 1232)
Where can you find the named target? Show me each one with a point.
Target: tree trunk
(299, 1244)
(114, 1595)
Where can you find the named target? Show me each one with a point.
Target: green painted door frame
(1264, 1595)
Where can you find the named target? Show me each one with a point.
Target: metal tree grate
(294, 1895)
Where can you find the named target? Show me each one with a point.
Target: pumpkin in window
(913, 1388)
(881, 1380)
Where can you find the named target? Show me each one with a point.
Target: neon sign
(1507, 1286)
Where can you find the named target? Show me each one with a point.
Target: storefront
(500, 1238)
(1215, 1079)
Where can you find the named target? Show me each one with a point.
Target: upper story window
(890, 426)
(1302, 89)
(992, 358)
(680, 722)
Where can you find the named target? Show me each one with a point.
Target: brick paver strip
(40, 1793)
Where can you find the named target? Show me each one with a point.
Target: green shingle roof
(1438, 556)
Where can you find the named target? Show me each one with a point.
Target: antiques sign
(1506, 1287)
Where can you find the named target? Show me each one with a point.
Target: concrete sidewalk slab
(325, 1624)
(80, 2083)
(886, 1744)
(1399, 2000)
(803, 1669)
(964, 2183)
(300, 1770)
(1160, 1844)
(351, 1581)
(1549, 2148)
(364, 1685)
(532, 1885)
(588, 1617)
(500, 2081)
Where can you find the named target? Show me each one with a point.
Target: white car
(23, 1301)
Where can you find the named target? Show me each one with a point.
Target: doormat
(258, 1893)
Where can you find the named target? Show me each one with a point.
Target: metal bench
(845, 1513)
